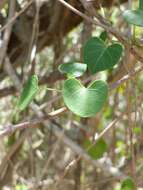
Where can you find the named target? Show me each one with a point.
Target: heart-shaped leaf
(98, 56)
(28, 93)
(85, 102)
(134, 17)
(74, 69)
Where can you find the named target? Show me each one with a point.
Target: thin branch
(7, 33)
(109, 127)
(82, 154)
(13, 19)
(8, 130)
(34, 38)
(11, 152)
(53, 77)
(60, 134)
(126, 77)
(73, 162)
(56, 76)
(11, 72)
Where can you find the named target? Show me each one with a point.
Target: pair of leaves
(135, 17)
(86, 102)
(97, 57)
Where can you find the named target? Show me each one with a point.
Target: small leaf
(85, 102)
(103, 36)
(128, 184)
(28, 93)
(99, 57)
(96, 151)
(134, 17)
(74, 69)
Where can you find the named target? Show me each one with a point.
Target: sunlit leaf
(85, 102)
(74, 69)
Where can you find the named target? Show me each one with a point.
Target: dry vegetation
(46, 145)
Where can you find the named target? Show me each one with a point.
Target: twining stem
(53, 89)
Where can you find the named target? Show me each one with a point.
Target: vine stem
(53, 89)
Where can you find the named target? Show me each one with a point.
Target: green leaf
(85, 102)
(128, 184)
(96, 151)
(137, 130)
(103, 36)
(28, 93)
(99, 57)
(134, 17)
(74, 69)
(141, 4)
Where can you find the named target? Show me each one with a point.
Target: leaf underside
(74, 69)
(134, 17)
(28, 93)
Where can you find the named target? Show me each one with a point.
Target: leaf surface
(28, 93)
(74, 69)
(99, 57)
(85, 102)
(134, 17)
